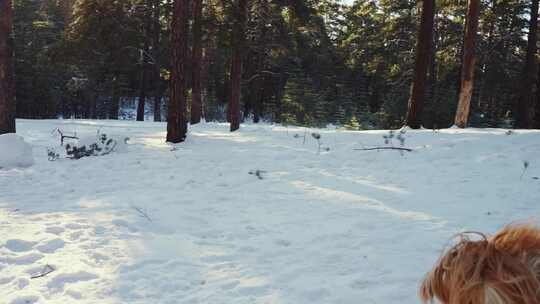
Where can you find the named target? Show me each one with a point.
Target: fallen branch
(46, 270)
(62, 136)
(385, 148)
(143, 213)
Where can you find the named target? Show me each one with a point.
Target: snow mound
(15, 152)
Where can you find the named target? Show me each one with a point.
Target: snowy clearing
(192, 225)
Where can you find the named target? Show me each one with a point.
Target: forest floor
(190, 224)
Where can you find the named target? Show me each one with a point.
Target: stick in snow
(385, 148)
(46, 270)
(142, 213)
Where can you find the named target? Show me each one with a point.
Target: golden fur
(503, 269)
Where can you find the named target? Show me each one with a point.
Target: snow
(15, 152)
(189, 224)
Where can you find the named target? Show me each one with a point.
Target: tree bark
(196, 94)
(423, 50)
(468, 66)
(176, 120)
(115, 103)
(157, 66)
(142, 92)
(239, 38)
(7, 83)
(537, 107)
(524, 107)
(432, 79)
(144, 61)
(116, 94)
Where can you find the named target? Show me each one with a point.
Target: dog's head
(503, 269)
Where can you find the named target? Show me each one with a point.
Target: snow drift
(15, 152)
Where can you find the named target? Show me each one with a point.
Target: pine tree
(176, 119)
(156, 28)
(468, 66)
(196, 94)
(340, 116)
(423, 53)
(144, 59)
(7, 86)
(238, 44)
(525, 106)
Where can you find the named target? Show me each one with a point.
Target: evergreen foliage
(306, 62)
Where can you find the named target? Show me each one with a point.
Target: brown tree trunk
(7, 83)
(432, 79)
(423, 51)
(239, 38)
(142, 92)
(176, 120)
(196, 95)
(115, 102)
(144, 61)
(468, 66)
(157, 66)
(537, 107)
(525, 102)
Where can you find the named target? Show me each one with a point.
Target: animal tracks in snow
(17, 245)
(67, 246)
(51, 246)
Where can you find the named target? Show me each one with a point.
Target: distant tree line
(372, 64)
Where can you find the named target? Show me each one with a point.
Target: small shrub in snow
(525, 167)
(389, 142)
(52, 155)
(258, 173)
(93, 146)
(301, 136)
(317, 137)
(388, 139)
(353, 124)
(102, 146)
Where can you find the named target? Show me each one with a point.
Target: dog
(501, 269)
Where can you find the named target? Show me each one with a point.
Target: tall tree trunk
(144, 61)
(488, 84)
(432, 79)
(176, 120)
(208, 57)
(468, 66)
(239, 38)
(114, 105)
(537, 107)
(157, 62)
(423, 51)
(196, 94)
(259, 99)
(115, 102)
(7, 83)
(524, 107)
(142, 93)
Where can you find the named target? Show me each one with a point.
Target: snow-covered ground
(191, 225)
